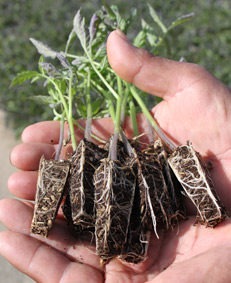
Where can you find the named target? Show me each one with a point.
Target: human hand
(196, 106)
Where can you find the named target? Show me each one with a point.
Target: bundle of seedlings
(192, 173)
(119, 193)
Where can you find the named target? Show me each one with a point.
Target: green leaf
(24, 76)
(41, 60)
(81, 109)
(110, 12)
(43, 49)
(140, 39)
(156, 18)
(43, 99)
(79, 28)
(150, 33)
(181, 20)
(96, 105)
(130, 20)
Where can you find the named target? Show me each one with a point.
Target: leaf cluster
(84, 85)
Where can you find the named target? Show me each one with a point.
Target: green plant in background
(205, 40)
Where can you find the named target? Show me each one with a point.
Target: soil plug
(174, 188)
(193, 174)
(52, 178)
(114, 194)
(83, 162)
(139, 231)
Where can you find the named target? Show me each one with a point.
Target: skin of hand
(196, 107)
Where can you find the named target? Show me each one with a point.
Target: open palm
(196, 106)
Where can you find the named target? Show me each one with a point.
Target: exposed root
(192, 173)
(52, 178)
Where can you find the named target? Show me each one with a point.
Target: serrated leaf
(101, 52)
(180, 20)
(110, 12)
(43, 99)
(63, 60)
(23, 76)
(79, 60)
(61, 85)
(140, 39)
(92, 27)
(156, 18)
(49, 69)
(79, 28)
(43, 49)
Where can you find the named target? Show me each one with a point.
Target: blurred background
(204, 40)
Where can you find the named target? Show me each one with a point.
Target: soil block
(52, 176)
(114, 195)
(194, 176)
(84, 161)
(174, 187)
(158, 196)
(140, 222)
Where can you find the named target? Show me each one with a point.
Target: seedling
(117, 191)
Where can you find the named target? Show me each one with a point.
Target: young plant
(120, 191)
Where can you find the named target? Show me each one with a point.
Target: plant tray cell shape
(174, 187)
(158, 196)
(140, 227)
(52, 177)
(84, 161)
(193, 174)
(114, 195)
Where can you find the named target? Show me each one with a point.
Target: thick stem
(61, 136)
(70, 120)
(89, 108)
(132, 111)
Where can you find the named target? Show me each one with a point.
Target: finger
(32, 258)
(22, 184)
(48, 131)
(17, 217)
(27, 156)
(152, 74)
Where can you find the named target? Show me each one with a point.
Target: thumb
(152, 74)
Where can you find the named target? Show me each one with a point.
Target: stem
(68, 110)
(70, 121)
(99, 74)
(154, 124)
(89, 108)
(61, 135)
(117, 129)
(82, 128)
(108, 98)
(132, 110)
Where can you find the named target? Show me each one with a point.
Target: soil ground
(8, 274)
